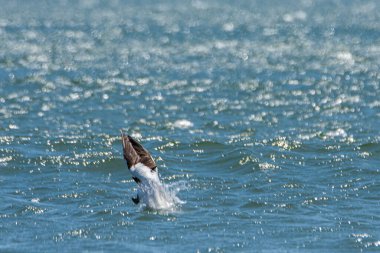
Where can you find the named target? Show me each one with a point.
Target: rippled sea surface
(265, 114)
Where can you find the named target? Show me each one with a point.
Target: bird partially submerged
(145, 173)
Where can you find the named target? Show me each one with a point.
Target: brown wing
(129, 153)
(134, 153)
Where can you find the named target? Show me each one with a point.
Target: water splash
(161, 197)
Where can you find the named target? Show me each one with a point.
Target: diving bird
(144, 172)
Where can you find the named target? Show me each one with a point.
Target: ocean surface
(262, 116)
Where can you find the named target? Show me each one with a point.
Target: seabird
(143, 169)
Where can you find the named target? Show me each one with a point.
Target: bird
(145, 173)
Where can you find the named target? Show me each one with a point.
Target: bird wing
(134, 153)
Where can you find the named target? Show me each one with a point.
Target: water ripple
(267, 113)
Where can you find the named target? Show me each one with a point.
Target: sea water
(262, 116)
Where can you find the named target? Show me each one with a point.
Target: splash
(161, 197)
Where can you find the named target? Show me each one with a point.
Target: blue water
(263, 116)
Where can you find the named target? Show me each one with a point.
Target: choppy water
(263, 116)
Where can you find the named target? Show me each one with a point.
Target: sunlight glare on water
(262, 116)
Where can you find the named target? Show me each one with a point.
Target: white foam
(337, 133)
(35, 200)
(152, 192)
(292, 17)
(161, 197)
(183, 123)
(228, 27)
(345, 57)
